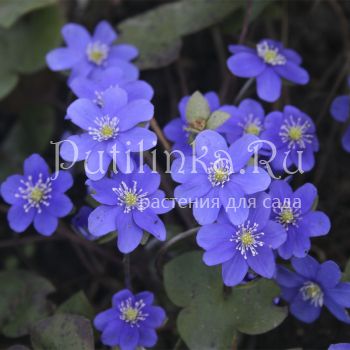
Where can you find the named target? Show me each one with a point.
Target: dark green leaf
(12, 10)
(157, 33)
(217, 313)
(77, 304)
(22, 301)
(61, 331)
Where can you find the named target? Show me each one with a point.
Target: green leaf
(197, 109)
(68, 332)
(26, 44)
(12, 10)
(218, 313)
(216, 119)
(157, 33)
(8, 81)
(22, 301)
(77, 304)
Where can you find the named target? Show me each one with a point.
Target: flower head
(340, 111)
(247, 118)
(94, 88)
(293, 133)
(131, 321)
(37, 197)
(182, 132)
(86, 55)
(293, 210)
(238, 247)
(222, 177)
(313, 286)
(110, 132)
(269, 62)
(80, 222)
(130, 204)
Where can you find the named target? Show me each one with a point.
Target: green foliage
(77, 304)
(32, 133)
(26, 45)
(63, 331)
(157, 33)
(22, 301)
(212, 315)
(12, 10)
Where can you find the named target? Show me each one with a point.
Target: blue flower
(222, 176)
(80, 222)
(86, 55)
(313, 286)
(94, 88)
(339, 346)
(37, 197)
(130, 205)
(177, 130)
(131, 321)
(292, 133)
(294, 211)
(247, 118)
(340, 111)
(239, 247)
(269, 62)
(111, 132)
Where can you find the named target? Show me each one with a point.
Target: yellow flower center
(130, 199)
(131, 314)
(96, 56)
(270, 56)
(295, 133)
(221, 175)
(107, 131)
(252, 129)
(313, 290)
(36, 195)
(247, 239)
(287, 216)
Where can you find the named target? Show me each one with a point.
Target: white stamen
(251, 125)
(313, 293)
(132, 312)
(295, 132)
(219, 172)
(287, 216)
(107, 128)
(247, 239)
(270, 54)
(97, 52)
(36, 195)
(131, 197)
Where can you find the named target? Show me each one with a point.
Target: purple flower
(239, 247)
(94, 88)
(37, 197)
(339, 346)
(131, 321)
(218, 176)
(86, 55)
(111, 132)
(294, 211)
(177, 130)
(130, 205)
(292, 132)
(269, 62)
(80, 222)
(247, 118)
(340, 111)
(313, 285)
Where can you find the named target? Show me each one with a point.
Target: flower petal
(269, 85)
(219, 254)
(263, 263)
(83, 113)
(45, 223)
(62, 58)
(246, 65)
(329, 274)
(103, 220)
(210, 236)
(304, 310)
(150, 222)
(75, 36)
(129, 337)
(129, 234)
(234, 270)
(124, 52)
(340, 108)
(76, 147)
(9, 189)
(307, 267)
(18, 219)
(104, 33)
(292, 72)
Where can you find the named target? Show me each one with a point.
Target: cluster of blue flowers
(215, 149)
